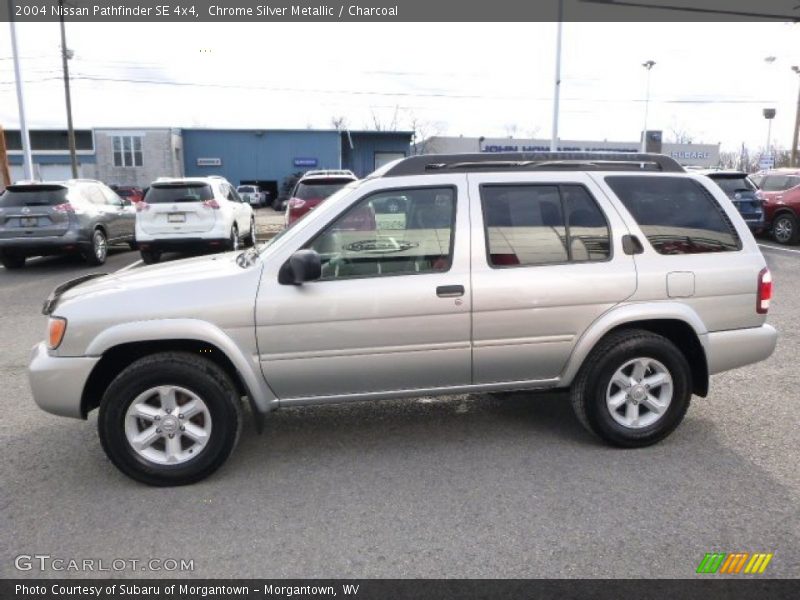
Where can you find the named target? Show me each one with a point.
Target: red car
(313, 188)
(130, 192)
(780, 190)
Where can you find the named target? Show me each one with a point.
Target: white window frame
(127, 150)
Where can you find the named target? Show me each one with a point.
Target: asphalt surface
(463, 486)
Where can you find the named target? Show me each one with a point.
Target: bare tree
(378, 124)
(339, 123)
(680, 135)
(422, 131)
(511, 129)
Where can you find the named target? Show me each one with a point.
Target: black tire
(150, 257)
(250, 240)
(200, 376)
(784, 229)
(588, 392)
(233, 242)
(98, 252)
(12, 261)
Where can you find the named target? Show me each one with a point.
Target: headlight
(56, 326)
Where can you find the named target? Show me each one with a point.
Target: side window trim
(559, 185)
(395, 190)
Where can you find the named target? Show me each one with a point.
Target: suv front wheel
(633, 390)
(171, 418)
(98, 252)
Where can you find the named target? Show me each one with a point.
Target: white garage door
(382, 158)
(56, 172)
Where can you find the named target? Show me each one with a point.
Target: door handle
(450, 291)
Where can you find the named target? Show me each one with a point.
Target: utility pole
(5, 172)
(65, 66)
(23, 126)
(557, 91)
(647, 65)
(794, 162)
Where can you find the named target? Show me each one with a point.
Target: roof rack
(533, 161)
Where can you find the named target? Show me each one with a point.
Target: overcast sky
(710, 81)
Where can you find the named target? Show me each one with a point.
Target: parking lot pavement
(463, 486)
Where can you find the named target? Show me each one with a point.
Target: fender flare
(190, 329)
(628, 314)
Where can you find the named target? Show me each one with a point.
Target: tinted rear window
(41, 195)
(778, 183)
(677, 214)
(193, 192)
(319, 189)
(246, 189)
(731, 184)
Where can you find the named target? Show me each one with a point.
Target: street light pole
(557, 90)
(23, 126)
(647, 65)
(65, 66)
(794, 162)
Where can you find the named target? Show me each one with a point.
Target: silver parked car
(620, 277)
(76, 216)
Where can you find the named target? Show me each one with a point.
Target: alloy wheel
(639, 393)
(167, 425)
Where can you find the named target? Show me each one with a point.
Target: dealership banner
(399, 10)
(399, 589)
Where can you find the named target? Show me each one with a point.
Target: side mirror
(303, 265)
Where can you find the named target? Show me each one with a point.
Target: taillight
(764, 291)
(211, 204)
(296, 203)
(66, 207)
(142, 206)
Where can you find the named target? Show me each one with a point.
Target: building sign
(305, 162)
(766, 162)
(209, 162)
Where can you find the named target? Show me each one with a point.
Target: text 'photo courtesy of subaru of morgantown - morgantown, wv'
(622, 278)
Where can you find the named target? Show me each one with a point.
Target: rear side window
(779, 183)
(677, 214)
(528, 225)
(39, 195)
(175, 193)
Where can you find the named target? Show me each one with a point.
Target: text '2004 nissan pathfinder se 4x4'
(619, 276)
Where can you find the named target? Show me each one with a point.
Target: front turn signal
(56, 327)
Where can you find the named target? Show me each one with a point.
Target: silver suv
(76, 216)
(620, 277)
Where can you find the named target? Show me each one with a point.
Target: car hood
(166, 274)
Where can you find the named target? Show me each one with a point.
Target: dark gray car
(77, 216)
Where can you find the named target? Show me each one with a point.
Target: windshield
(182, 192)
(246, 189)
(731, 184)
(38, 195)
(319, 189)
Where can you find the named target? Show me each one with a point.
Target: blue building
(267, 156)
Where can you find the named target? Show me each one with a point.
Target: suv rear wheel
(97, 254)
(12, 261)
(233, 243)
(251, 235)
(784, 229)
(171, 418)
(633, 390)
(150, 257)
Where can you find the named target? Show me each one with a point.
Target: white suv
(190, 214)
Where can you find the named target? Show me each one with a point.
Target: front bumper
(736, 348)
(57, 383)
